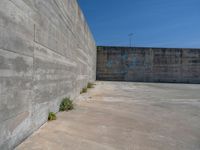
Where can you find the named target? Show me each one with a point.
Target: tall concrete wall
(46, 53)
(148, 64)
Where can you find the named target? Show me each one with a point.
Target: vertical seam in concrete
(34, 52)
(34, 34)
(33, 71)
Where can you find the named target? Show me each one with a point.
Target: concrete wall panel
(46, 53)
(148, 64)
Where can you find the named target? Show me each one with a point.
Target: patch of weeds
(66, 104)
(84, 90)
(90, 85)
(52, 116)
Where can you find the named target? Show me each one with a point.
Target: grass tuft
(66, 105)
(90, 85)
(52, 116)
(84, 90)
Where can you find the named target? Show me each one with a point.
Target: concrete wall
(46, 53)
(148, 64)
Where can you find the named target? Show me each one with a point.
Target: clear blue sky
(155, 23)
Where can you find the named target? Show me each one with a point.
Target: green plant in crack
(84, 90)
(66, 104)
(52, 116)
(90, 85)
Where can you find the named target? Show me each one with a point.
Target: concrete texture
(46, 53)
(126, 116)
(148, 64)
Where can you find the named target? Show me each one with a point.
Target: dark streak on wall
(173, 65)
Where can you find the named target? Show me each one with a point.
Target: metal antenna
(130, 39)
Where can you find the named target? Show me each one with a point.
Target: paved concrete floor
(126, 116)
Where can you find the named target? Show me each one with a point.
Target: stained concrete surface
(126, 116)
(147, 64)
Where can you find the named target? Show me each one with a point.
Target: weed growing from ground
(90, 85)
(52, 116)
(66, 104)
(84, 90)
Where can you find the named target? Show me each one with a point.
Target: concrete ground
(126, 116)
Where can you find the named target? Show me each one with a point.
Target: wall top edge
(128, 47)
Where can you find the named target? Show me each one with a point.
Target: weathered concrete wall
(148, 64)
(46, 53)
